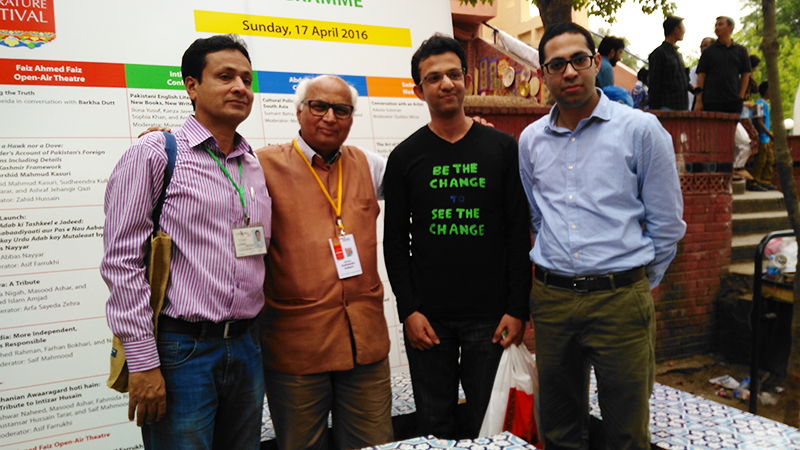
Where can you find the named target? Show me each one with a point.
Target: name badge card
(249, 240)
(345, 256)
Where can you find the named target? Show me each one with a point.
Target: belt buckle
(227, 328)
(575, 282)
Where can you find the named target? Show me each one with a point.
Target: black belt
(205, 329)
(590, 283)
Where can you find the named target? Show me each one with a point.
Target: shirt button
(573, 227)
(575, 255)
(570, 167)
(572, 139)
(237, 285)
(570, 197)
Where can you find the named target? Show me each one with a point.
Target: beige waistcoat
(312, 321)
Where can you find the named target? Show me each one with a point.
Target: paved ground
(692, 375)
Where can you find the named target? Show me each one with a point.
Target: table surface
(505, 440)
(678, 421)
(682, 421)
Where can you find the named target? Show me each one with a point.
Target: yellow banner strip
(310, 30)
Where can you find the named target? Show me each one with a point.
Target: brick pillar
(684, 300)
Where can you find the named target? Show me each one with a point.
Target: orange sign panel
(27, 23)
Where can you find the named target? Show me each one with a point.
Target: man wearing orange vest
(324, 335)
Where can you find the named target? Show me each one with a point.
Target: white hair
(302, 87)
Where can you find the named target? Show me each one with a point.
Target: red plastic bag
(512, 406)
(520, 416)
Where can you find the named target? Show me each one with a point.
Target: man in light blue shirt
(606, 210)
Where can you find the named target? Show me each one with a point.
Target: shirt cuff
(141, 356)
(520, 313)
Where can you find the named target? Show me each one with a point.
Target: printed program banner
(79, 80)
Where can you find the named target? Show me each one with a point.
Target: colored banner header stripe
(390, 87)
(286, 82)
(139, 76)
(311, 30)
(61, 73)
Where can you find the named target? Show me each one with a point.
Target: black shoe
(751, 185)
(769, 187)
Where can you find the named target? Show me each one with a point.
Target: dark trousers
(614, 331)
(733, 106)
(359, 400)
(215, 393)
(465, 352)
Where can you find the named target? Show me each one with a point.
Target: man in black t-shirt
(462, 279)
(723, 72)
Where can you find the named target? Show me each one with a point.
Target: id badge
(249, 240)
(345, 256)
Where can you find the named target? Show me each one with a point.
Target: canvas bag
(157, 252)
(512, 406)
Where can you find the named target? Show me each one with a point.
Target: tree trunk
(783, 160)
(554, 11)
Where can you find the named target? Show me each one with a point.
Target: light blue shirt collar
(602, 111)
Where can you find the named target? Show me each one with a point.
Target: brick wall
(684, 301)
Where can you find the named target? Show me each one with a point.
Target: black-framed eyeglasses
(558, 65)
(320, 108)
(435, 77)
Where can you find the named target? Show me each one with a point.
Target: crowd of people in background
(721, 81)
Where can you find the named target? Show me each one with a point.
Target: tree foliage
(608, 8)
(787, 24)
(552, 11)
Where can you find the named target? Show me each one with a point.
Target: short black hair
(610, 43)
(763, 88)
(642, 75)
(727, 19)
(670, 23)
(436, 45)
(560, 28)
(194, 58)
(754, 61)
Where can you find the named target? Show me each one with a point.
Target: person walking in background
(693, 71)
(752, 86)
(610, 50)
(640, 91)
(669, 81)
(762, 172)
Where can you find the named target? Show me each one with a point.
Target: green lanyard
(236, 186)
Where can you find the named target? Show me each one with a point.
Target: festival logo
(27, 23)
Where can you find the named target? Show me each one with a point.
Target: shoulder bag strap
(172, 150)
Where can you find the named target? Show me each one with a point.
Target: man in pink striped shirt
(201, 384)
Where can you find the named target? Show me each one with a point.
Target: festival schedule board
(76, 88)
